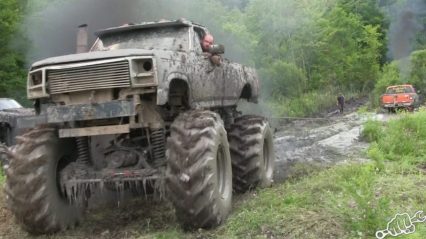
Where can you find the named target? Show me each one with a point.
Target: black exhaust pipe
(82, 39)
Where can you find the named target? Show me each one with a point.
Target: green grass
(2, 178)
(350, 201)
(372, 131)
(309, 103)
(402, 139)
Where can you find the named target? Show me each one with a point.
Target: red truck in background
(400, 97)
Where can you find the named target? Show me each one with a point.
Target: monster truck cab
(400, 97)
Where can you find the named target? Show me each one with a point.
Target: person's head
(207, 42)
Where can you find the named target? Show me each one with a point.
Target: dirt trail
(321, 142)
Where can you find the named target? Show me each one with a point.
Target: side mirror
(217, 49)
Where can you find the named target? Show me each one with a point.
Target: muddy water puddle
(321, 142)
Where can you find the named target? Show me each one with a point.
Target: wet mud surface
(320, 141)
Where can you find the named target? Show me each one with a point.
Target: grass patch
(372, 131)
(2, 177)
(363, 110)
(402, 140)
(349, 201)
(309, 103)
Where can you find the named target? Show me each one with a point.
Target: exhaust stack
(82, 39)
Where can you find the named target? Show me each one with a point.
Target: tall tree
(12, 64)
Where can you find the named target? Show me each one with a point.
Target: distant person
(341, 102)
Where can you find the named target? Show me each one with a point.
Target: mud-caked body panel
(209, 84)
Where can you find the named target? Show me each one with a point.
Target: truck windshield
(164, 38)
(9, 104)
(399, 89)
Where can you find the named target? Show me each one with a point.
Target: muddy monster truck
(143, 110)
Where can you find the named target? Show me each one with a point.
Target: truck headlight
(36, 84)
(142, 72)
(36, 78)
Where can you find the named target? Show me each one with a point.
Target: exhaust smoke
(403, 29)
(52, 29)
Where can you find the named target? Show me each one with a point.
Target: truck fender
(163, 92)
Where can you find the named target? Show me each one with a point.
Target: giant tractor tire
(32, 184)
(199, 172)
(252, 153)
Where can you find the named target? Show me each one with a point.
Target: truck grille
(89, 77)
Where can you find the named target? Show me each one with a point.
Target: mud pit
(301, 142)
(320, 142)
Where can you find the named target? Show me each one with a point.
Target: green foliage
(298, 46)
(1, 177)
(351, 201)
(301, 47)
(402, 140)
(285, 79)
(12, 67)
(388, 76)
(363, 110)
(376, 155)
(348, 53)
(418, 69)
(358, 183)
(391, 74)
(308, 104)
(370, 14)
(372, 131)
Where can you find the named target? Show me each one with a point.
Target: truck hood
(89, 56)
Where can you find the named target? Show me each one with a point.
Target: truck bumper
(70, 113)
(400, 105)
(92, 131)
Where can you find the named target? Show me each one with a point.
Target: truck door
(207, 80)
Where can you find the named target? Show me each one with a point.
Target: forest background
(306, 52)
